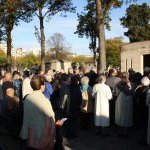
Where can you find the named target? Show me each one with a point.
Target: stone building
(136, 56)
(59, 65)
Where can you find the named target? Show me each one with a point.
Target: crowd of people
(41, 108)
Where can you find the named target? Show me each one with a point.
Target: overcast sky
(23, 35)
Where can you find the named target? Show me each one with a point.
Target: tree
(81, 59)
(28, 60)
(48, 8)
(137, 20)
(92, 24)
(57, 43)
(87, 25)
(102, 8)
(11, 12)
(113, 51)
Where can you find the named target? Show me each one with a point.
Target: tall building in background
(20, 52)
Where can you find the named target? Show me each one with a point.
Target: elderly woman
(141, 107)
(124, 105)
(38, 120)
(87, 102)
(102, 93)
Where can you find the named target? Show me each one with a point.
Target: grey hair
(84, 80)
(145, 81)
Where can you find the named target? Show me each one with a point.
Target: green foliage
(2, 58)
(137, 20)
(81, 59)
(52, 7)
(113, 51)
(87, 25)
(48, 8)
(11, 12)
(28, 60)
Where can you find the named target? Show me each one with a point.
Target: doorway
(146, 61)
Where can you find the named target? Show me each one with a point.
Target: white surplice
(102, 95)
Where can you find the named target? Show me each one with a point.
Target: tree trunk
(94, 58)
(42, 39)
(9, 45)
(101, 37)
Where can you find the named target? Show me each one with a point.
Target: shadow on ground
(87, 140)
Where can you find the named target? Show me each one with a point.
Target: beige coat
(87, 101)
(36, 108)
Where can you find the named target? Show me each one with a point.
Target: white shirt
(26, 87)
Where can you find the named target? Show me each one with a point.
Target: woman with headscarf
(87, 102)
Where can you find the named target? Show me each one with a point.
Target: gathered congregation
(44, 107)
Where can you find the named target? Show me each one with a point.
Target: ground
(87, 140)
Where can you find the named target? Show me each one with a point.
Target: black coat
(75, 101)
(141, 107)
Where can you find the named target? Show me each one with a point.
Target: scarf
(84, 88)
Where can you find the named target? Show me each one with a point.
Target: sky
(23, 35)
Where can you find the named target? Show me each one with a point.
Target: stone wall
(56, 65)
(132, 55)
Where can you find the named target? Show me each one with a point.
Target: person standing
(26, 87)
(7, 83)
(75, 99)
(142, 108)
(112, 81)
(38, 120)
(124, 105)
(87, 103)
(102, 94)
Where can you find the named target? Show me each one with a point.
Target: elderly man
(112, 81)
(7, 82)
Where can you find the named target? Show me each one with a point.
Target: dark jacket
(75, 101)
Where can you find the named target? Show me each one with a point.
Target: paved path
(88, 140)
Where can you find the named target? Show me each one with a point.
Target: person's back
(141, 107)
(26, 87)
(48, 91)
(112, 80)
(36, 109)
(102, 94)
(75, 100)
(34, 115)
